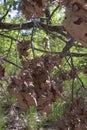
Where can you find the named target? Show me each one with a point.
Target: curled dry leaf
(30, 99)
(34, 85)
(22, 102)
(51, 60)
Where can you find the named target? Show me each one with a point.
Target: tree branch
(12, 38)
(10, 62)
(59, 53)
(4, 15)
(29, 25)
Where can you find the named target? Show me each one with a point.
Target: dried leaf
(22, 48)
(75, 20)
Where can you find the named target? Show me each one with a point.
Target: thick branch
(29, 25)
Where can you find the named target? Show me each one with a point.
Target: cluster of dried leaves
(34, 86)
(68, 75)
(33, 8)
(76, 117)
(22, 48)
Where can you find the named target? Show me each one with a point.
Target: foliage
(43, 59)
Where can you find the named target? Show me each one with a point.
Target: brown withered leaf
(42, 101)
(48, 63)
(73, 73)
(46, 85)
(47, 109)
(58, 83)
(64, 75)
(40, 76)
(75, 20)
(30, 99)
(22, 48)
(75, 118)
(23, 105)
(56, 60)
(26, 64)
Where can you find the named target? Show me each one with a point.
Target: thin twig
(9, 48)
(59, 53)
(73, 69)
(3, 35)
(82, 84)
(69, 44)
(72, 87)
(53, 12)
(32, 47)
(4, 15)
(10, 62)
(72, 91)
